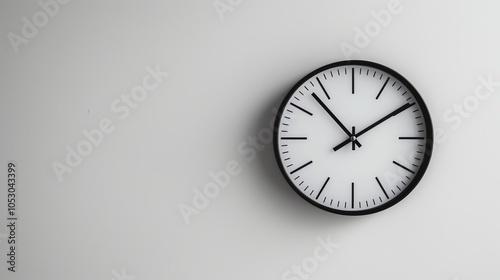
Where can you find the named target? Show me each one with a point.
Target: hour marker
(323, 88)
(380, 184)
(382, 89)
(320, 191)
(302, 109)
(411, 138)
(352, 80)
(293, 138)
(405, 168)
(301, 167)
(352, 195)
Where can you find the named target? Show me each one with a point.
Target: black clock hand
(336, 120)
(392, 114)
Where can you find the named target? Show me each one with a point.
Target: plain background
(118, 211)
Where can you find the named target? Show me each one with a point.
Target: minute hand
(392, 114)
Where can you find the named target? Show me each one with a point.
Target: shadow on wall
(286, 202)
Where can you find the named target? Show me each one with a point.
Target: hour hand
(336, 120)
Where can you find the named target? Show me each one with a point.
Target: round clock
(353, 137)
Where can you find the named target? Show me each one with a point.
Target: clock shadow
(292, 207)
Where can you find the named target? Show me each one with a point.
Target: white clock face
(353, 137)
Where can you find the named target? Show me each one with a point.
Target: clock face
(353, 137)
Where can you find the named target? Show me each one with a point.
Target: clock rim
(425, 160)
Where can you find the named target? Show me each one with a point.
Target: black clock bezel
(425, 160)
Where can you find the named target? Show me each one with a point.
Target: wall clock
(353, 137)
